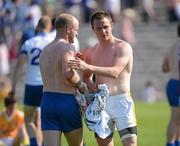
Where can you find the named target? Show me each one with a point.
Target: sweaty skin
(61, 81)
(57, 75)
(119, 68)
(54, 74)
(114, 55)
(111, 61)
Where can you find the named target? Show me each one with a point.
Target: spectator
(5, 87)
(127, 25)
(149, 93)
(13, 131)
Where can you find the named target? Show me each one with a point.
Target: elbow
(115, 74)
(68, 75)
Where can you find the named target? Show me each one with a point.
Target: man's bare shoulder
(123, 45)
(45, 52)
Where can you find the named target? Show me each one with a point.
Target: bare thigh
(130, 141)
(175, 115)
(31, 114)
(75, 137)
(105, 142)
(51, 138)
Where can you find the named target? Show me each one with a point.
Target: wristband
(80, 84)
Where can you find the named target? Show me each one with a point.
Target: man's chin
(71, 41)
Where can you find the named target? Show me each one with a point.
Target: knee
(131, 141)
(175, 122)
(38, 123)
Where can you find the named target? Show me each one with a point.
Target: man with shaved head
(59, 109)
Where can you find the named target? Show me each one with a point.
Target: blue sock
(33, 141)
(170, 144)
(177, 143)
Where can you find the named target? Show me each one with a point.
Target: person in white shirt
(31, 51)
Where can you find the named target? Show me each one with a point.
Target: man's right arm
(70, 74)
(17, 69)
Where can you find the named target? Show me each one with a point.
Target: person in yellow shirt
(12, 128)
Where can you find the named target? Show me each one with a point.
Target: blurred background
(148, 25)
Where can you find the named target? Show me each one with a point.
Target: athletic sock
(177, 143)
(33, 141)
(170, 144)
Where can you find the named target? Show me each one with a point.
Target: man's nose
(103, 30)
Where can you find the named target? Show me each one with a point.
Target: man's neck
(107, 43)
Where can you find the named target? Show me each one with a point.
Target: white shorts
(121, 110)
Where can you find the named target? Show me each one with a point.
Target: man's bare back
(52, 64)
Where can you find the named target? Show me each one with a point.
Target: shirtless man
(171, 64)
(59, 109)
(29, 53)
(111, 61)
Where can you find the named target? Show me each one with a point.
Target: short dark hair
(9, 101)
(98, 15)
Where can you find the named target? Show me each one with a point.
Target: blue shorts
(33, 95)
(60, 112)
(173, 92)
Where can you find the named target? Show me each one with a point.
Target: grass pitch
(152, 122)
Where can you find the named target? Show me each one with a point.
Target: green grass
(152, 122)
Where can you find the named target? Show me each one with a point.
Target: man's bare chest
(103, 59)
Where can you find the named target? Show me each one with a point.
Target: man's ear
(68, 29)
(92, 27)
